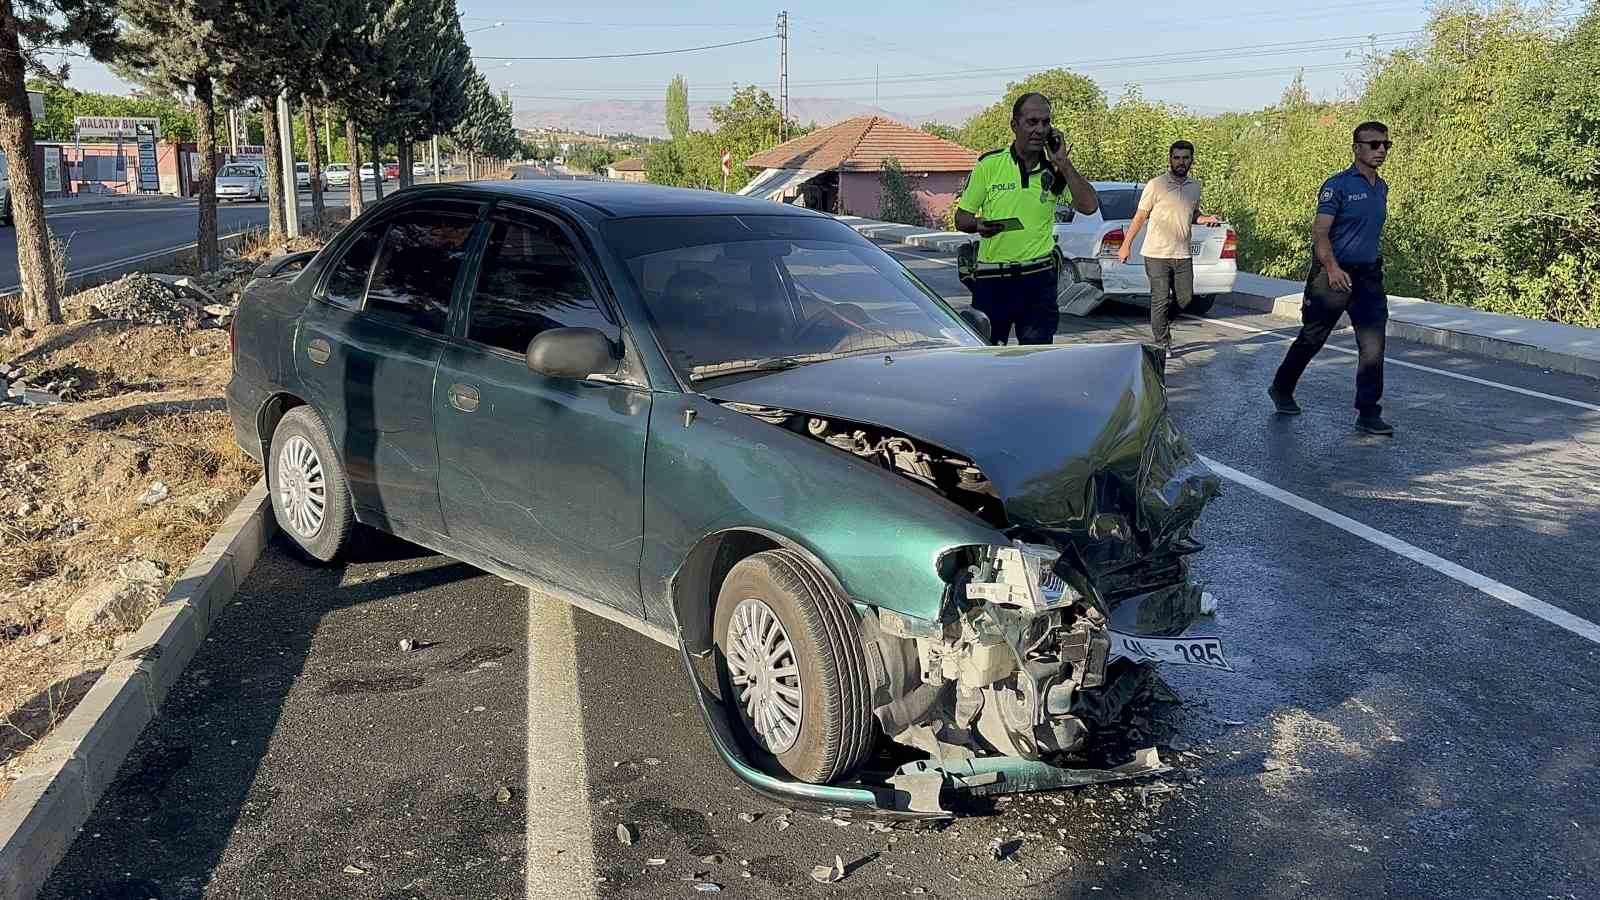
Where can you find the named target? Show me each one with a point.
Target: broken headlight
(1023, 576)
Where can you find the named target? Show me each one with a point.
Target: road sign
(727, 162)
(149, 178)
(114, 126)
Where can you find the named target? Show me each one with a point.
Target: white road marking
(557, 786)
(1532, 605)
(934, 260)
(1391, 361)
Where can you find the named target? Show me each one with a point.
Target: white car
(337, 174)
(420, 170)
(241, 181)
(302, 177)
(1090, 242)
(368, 173)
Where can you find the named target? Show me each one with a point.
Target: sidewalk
(106, 201)
(1547, 345)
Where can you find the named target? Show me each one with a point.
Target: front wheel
(310, 494)
(791, 662)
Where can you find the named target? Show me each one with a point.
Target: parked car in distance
(368, 173)
(746, 431)
(1098, 236)
(338, 174)
(241, 181)
(420, 169)
(302, 177)
(391, 170)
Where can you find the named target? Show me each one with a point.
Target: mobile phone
(1012, 224)
(1055, 140)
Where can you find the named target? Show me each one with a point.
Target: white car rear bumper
(1119, 279)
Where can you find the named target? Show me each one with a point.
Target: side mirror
(979, 322)
(571, 353)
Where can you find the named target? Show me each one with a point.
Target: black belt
(1005, 269)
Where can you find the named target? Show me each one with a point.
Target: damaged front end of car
(1004, 680)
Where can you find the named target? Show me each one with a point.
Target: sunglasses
(1373, 145)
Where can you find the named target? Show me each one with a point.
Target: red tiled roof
(864, 144)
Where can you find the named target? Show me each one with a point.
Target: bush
(896, 201)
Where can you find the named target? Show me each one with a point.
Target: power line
(628, 25)
(636, 55)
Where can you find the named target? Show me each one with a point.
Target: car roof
(596, 199)
(1117, 185)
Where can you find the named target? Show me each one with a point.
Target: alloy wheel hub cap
(766, 675)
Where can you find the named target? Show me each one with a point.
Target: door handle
(318, 350)
(464, 397)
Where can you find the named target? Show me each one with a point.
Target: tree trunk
(274, 153)
(40, 303)
(314, 163)
(205, 134)
(377, 169)
(352, 149)
(405, 165)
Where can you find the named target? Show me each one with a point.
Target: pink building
(836, 169)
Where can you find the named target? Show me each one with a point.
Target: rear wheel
(791, 663)
(1201, 304)
(310, 495)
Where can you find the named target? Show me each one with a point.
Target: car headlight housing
(1023, 576)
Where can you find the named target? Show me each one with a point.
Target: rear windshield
(1118, 203)
(238, 172)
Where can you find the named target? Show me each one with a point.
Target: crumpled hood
(1076, 439)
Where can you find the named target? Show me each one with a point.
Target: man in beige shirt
(1170, 204)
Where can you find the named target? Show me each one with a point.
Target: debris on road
(407, 645)
(655, 861)
(829, 874)
(651, 761)
(134, 298)
(749, 818)
(706, 887)
(627, 834)
(711, 860)
(503, 795)
(354, 870)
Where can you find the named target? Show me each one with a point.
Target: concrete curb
(1567, 349)
(41, 815)
(64, 204)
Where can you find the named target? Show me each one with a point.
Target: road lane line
(935, 261)
(1532, 605)
(558, 768)
(1592, 407)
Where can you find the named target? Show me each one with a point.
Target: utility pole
(327, 130)
(783, 73)
(291, 192)
(436, 159)
(233, 130)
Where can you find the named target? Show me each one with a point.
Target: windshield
(238, 172)
(1117, 204)
(728, 295)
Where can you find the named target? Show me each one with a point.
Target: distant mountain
(953, 115)
(648, 118)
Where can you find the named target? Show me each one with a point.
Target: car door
(367, 348)
(542, 474)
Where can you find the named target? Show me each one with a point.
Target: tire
(301, 445)
(1201, 304)
(836, 730)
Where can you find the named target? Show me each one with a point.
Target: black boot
(1372, 423)
(1283, 401)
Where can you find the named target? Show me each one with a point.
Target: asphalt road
(1392, 730)
(97, 237)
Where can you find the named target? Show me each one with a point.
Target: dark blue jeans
(1368, 307)
(1027, 302)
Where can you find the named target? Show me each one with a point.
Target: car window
(416, 268)
(238, 172)
(530, 281)
(1118, 204)
(348, 280)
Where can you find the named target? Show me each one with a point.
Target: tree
(942, 131)
(27, 27)
(1076, 107)
(276, 46)
(678, 108)
(896, 201)
(167, 47)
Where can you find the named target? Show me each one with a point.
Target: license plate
(1187, 651)
(1194, 248)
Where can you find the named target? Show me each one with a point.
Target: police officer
(1346, 277)
(1010, 203)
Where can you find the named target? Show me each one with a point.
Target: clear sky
(1209, 55)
